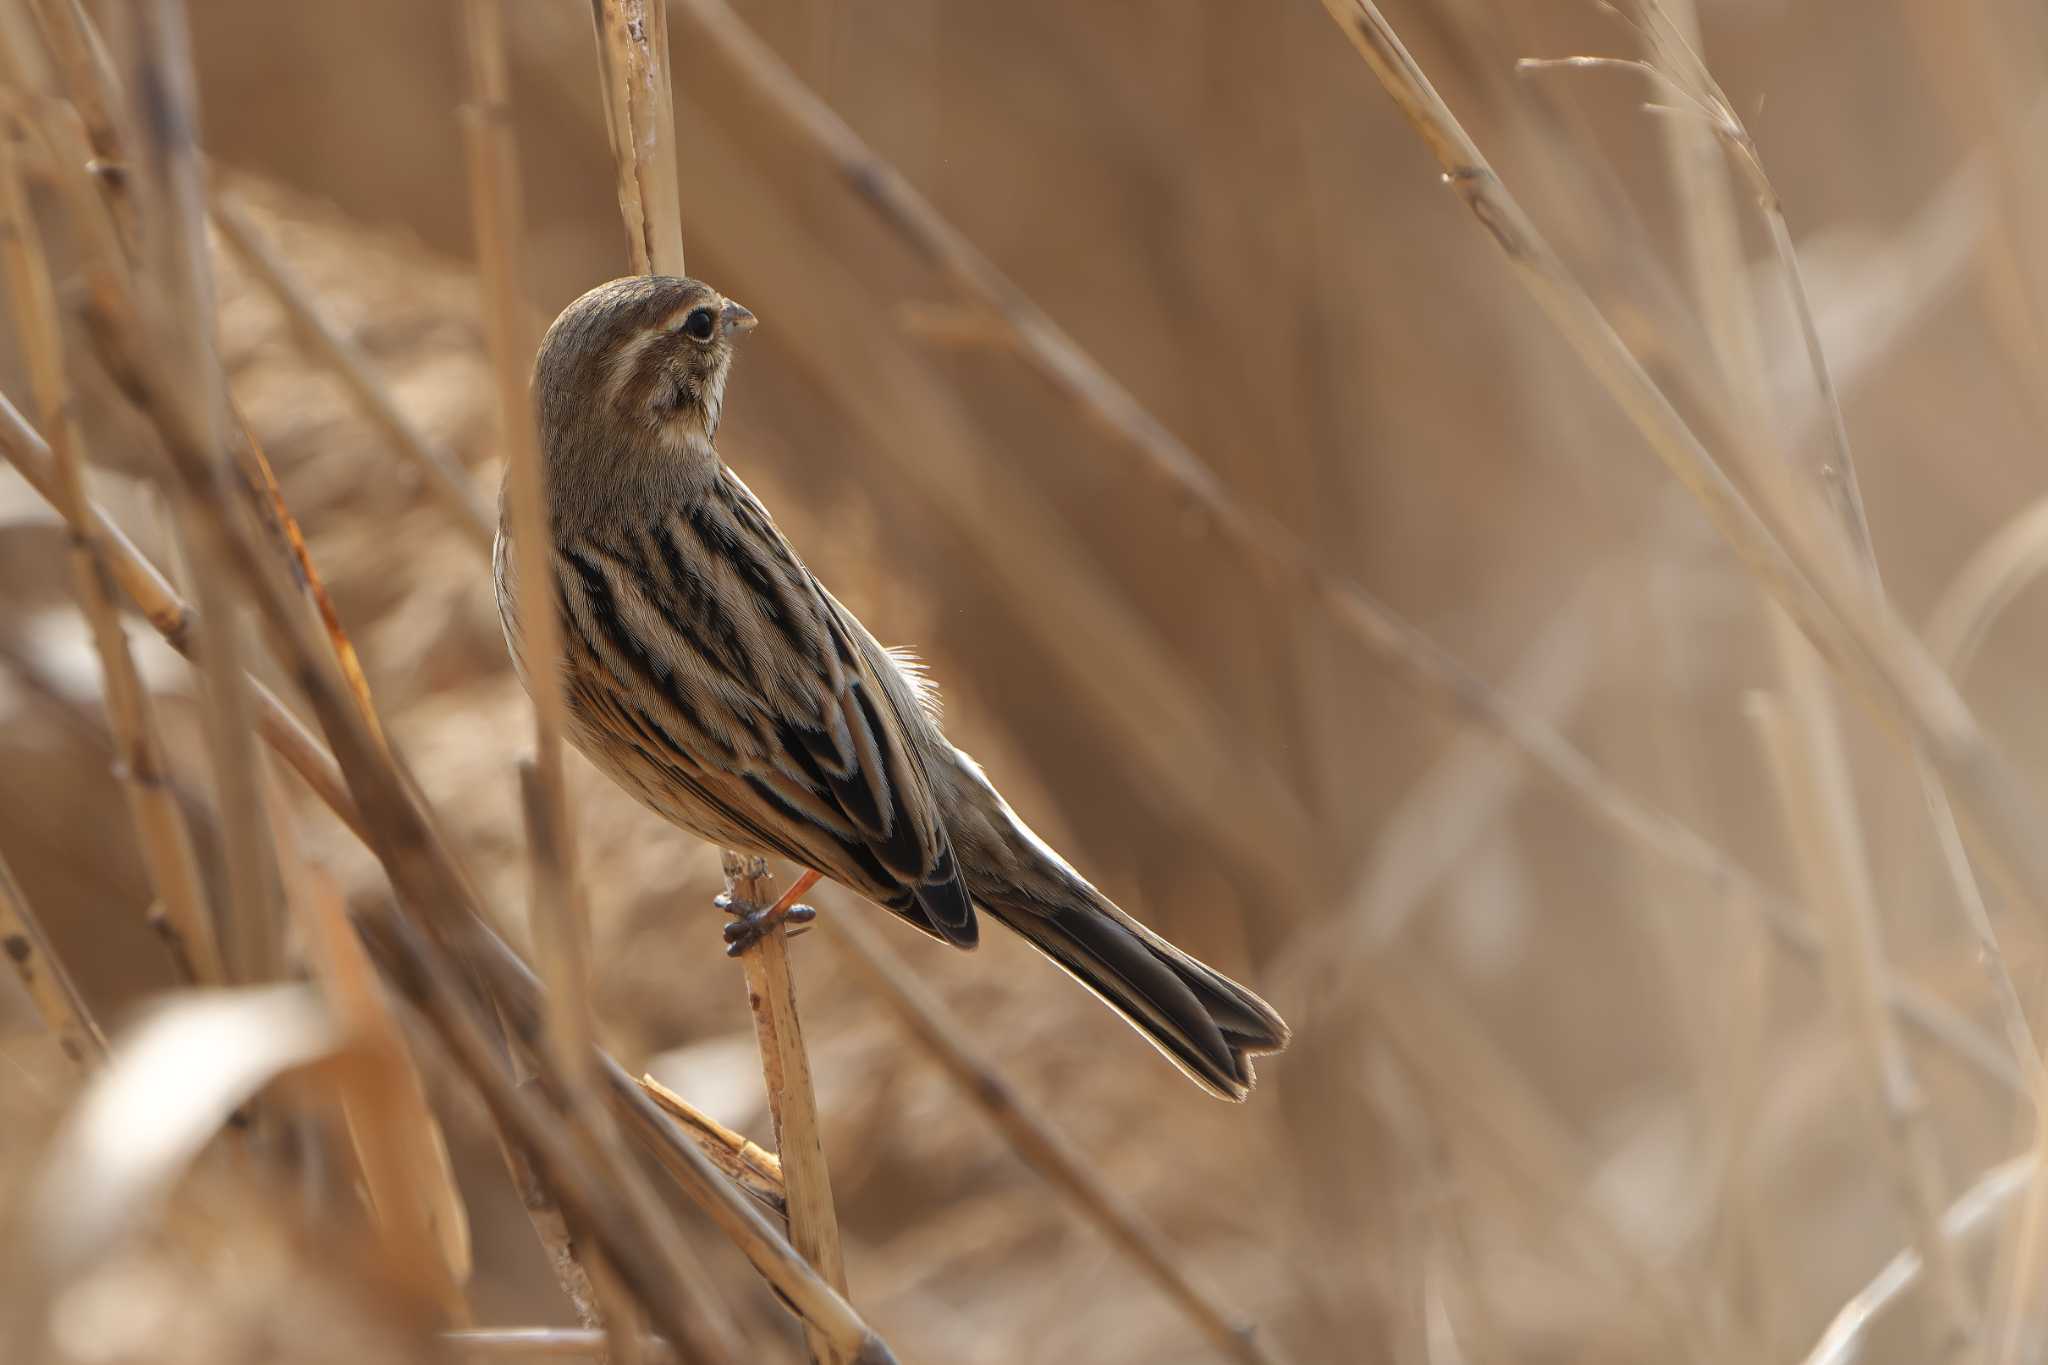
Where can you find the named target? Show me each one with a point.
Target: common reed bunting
(714, 678)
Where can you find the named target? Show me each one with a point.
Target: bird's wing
(771, 695)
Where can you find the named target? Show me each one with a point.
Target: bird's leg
(749, 925)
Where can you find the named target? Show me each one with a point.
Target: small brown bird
(714, 678)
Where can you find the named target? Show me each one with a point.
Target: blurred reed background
(1558, 1090)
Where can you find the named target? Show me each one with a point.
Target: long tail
(1205, 1023)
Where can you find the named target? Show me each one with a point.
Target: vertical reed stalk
(166, 839)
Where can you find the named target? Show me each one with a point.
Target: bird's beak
(735, 320)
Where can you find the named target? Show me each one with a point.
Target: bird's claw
(747, 929)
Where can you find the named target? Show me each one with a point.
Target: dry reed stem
(786, 1072)
(633, 74)
(178, 322)
(1808, 769)
(42, 974)
(559, 929)
(399, 1146)
(446, 479)
(165, 837)
(1794, 553)
(551, 1230)
(1437, 677)
(745, 1162)
(1974, 1213)
(175, 620)
(1039, 1145)
(633, 63)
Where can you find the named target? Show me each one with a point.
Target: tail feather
(1205, 1023)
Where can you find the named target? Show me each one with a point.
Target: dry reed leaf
(173, 1079)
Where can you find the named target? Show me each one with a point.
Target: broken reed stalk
(1801, 559)
(786, 1072)
(1037, 1143)
(745, 1162)
(42, 974)
(639, 114)
(1434, 675)
(165, 837)
(178, 318)
(446, 479)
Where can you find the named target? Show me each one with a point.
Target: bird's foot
(749, 926)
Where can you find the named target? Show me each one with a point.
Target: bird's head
(633, 371)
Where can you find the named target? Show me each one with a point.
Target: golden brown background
(1548, 1100)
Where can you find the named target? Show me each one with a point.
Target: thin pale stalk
(541, 1343)
(42, 974)
(446, 479)
(1794, 554)
(1039, 1145)
(1808, 768)
(786, 1072)
(166, 838)
(1975, 1212)
(1992, 579)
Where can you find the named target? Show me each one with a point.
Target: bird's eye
(698, 324)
